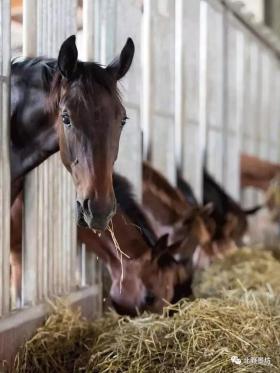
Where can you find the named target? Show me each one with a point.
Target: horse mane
(211, 187)
(187, 191)
(128, 204)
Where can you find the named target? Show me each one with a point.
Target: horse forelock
(87, 77)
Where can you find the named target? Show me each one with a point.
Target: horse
(226, 223)
(147, 276)
(75, 107)
(230, 218)
(256, 172)
(183, 221)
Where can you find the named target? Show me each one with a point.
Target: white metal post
(30, 220)
(179, 82)
(5, 45)
(203, 88)
(146, 54)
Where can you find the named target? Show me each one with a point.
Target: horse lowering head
(150, 281)
(195, 228)
(89, 124)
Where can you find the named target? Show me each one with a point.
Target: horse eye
(124, 120)
(66, 119)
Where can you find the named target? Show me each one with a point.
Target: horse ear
(174, 248)
(68, 57)
(208, 208)
(121, 64)
(160, 246)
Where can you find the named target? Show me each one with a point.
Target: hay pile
(243, 320)
(247, 270)
(201, 336)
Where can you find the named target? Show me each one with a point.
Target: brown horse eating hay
(172, 213)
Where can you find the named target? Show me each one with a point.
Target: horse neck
(160, 205)
(155, 178)
(159, 191)
(33, 134)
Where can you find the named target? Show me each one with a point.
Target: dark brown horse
(148, 277)
(230, 218)
(73, 107)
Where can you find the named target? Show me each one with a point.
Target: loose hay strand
(120, 253)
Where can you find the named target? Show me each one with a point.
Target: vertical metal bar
(5, 44)
(225, 99)
(239, 105)
(89, 7)
(163, 132)
(191, 166)
(147, 77)
(39, 209)
(29, 28)
(30, 221)
(202, 87)
(179, 82)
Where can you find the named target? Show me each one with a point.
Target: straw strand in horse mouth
(120, 253)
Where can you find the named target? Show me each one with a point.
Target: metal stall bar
(193, 83)
(5, 46)
(163, 90)
(179, 82)
(233, 110)
(129, 162)
(203, 56)
(263, 125)
(215, 89)
(147, 97)
(30, 238)
(251, 98)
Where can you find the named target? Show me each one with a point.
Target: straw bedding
(191, 336)
(247, 269)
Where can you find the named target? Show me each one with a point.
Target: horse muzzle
(91, 216)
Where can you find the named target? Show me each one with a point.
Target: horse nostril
(150, 298)
(86, 206)
(79, 205)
